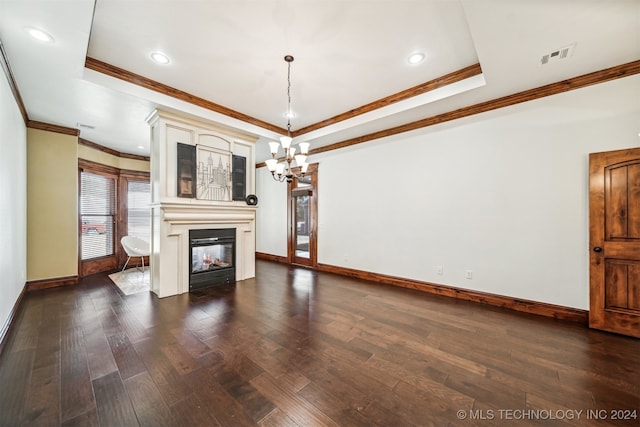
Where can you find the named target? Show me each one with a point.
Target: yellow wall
(52, 205)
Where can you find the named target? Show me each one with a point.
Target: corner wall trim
(35, 285)
(4, 64)
(533, 307)
(269, 257)
(4, 332)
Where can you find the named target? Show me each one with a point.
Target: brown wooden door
(302, 214)
(614, 219)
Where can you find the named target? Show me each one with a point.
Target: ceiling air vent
(557, 55)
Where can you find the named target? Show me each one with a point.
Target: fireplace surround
(174, 217)
(170, 254)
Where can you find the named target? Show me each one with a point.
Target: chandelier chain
(289, 98)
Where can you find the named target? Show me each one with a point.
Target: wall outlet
(440, 270)
(468, 274)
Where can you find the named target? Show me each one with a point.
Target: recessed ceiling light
(38, 34)
(140, 147)
(416, 58)
(160, 57)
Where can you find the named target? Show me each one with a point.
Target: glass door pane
(302, 201)
(97, 212)
(302, 226)
(138, 211)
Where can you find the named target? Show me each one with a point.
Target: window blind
(138, 213)
(97, 211)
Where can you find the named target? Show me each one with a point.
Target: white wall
(271, 219)
(504, 194)
(13, 202)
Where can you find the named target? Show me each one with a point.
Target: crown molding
(52, 128)
(448, 79)
(87, 143)
(608, 74)
(136, 79)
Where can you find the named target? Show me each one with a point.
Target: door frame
(108, 262)
(620, 321)
(312, 191)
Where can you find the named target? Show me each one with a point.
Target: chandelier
(283, 171)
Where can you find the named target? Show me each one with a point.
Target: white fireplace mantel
(179, 213)
(171, 275)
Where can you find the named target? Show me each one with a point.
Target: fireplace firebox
(213, 257)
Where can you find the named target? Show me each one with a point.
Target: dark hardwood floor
(294, 347)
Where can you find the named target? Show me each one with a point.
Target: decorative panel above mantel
(214, 146)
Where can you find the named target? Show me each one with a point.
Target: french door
(302, 218)
(112, 203)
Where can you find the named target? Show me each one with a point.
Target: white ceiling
(347, 54)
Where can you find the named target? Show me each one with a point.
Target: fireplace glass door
(212, 254)
(208, 256)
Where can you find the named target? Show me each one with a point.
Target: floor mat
(131, 281)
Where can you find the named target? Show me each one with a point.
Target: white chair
(135, 247)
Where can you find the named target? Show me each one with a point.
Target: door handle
(597, 249)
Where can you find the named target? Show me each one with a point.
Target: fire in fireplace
(213, 257)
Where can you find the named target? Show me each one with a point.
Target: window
(138, 214)
(97, 213)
